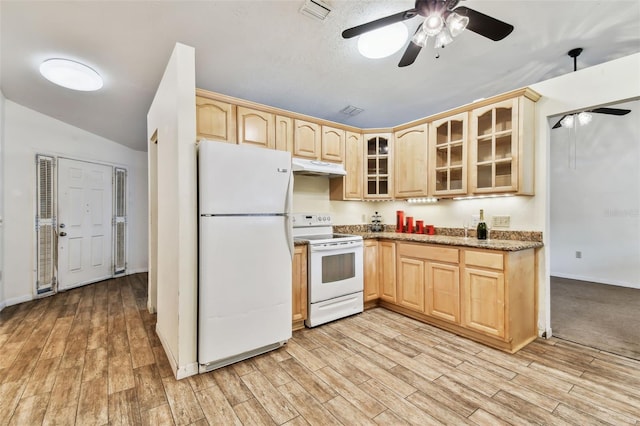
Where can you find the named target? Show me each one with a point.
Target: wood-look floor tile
(65, 393)
(342, 365)
(630, 406)
(97, 337)
(346, 412)
(160, 415)
(124, 409)
(392, 382)
(10, 393)
(423, 369)
(216, 407)
(273, 402)
(354, 332)
(93, 403)
(30, 410)
(149, 387)
(202, 381)
(435, 409)
(482, 418)
(388, 417)
(9, 353)
(363, 351)
(244, 367)
(232, 386)
(182, 400)
(120, 373)
(312, 411)
(43, 377)
(74, 353)
(368, 322)
(304, 356)
(141, 352)
(250, 412)
(400, 406)
(297, 421)
(96, 365)
(61, 416)
(577, 417)
(164, 367)
(308, 380)
(351, 392)
(54, 347)
(22, 368)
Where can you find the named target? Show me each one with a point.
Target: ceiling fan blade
(410, 55)
(379, 23)
(611, 111)
(558, 123)
(485, 25)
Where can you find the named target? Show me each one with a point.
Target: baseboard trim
(19, 299)
(594, 280)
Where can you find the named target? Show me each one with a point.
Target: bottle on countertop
(482, 227)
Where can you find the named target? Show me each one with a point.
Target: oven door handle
(336, 246)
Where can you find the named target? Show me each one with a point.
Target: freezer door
(244, 299)
(237, 179)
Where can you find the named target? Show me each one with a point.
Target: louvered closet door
(84, 223)
(45, 225)
(120, 221)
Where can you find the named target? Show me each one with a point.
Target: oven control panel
(301, 220)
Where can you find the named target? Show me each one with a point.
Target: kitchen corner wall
(2, 185)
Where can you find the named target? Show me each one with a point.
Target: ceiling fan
(441, 21)
(584, 117)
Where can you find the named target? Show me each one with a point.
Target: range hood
(317, 168)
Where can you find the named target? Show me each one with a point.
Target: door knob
(63, 234)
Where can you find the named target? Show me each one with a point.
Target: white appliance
(246, 248)
(335, 269)
(305, 166)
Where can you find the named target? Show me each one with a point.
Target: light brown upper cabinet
(306, 140)
(215, 120)
(284, 133)
(350, 187)
(332, 144)
(378, 166)
(256, 128)
(502, 147)
(448, 155)
(410, 162)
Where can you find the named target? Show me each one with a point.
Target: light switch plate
(501, 221)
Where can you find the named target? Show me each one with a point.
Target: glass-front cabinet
(448, 167)
(378, 148)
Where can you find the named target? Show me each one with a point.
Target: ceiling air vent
(315, 9)
(350, 110)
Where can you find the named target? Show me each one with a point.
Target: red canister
(399, 221)
(409, 225)
(419, 226)
(430, 229)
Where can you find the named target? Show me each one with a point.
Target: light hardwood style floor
(91, 356)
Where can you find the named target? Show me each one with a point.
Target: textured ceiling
(267, 52)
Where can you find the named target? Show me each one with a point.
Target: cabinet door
(284, 133)
(378, 155)
(215, 120)
(350, 187)
(256, 128)
(484, 301)
(370, 270)
(411, 283)
(494, 147)
(443, 291)
(387, 270)
(299, 280)
(410, 165)
(306, 139)
(332, 144)
(448, 155)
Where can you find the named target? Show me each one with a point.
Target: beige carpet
(601, 316)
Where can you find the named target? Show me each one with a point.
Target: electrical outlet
(502, 221)
(578, 255)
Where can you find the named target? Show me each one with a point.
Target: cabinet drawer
(484, 259)
(422, 251)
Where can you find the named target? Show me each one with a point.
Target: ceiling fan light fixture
(433, 24)
(567, 122)
(584, 118)
(443, 38)
(456, 23)
(420, 38)
(71, 74)
(383, 42)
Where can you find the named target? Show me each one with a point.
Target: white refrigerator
(245, 252)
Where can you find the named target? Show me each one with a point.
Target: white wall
(2, 185)
(27, 133)
(595, 204)
(172, 117)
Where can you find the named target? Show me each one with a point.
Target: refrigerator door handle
(287, 210)
(288, 224)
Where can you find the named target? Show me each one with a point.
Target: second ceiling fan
(443, 21)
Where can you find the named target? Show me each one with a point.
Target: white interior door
(84, 223)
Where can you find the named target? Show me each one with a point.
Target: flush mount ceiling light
(71, 74)
(383, 42)
(443, 21)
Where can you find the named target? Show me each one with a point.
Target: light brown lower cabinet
(485, 295)
(370, 260)
(299, 282)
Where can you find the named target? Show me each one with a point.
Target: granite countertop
(492, 244)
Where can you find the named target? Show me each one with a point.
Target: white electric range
(335, 268)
